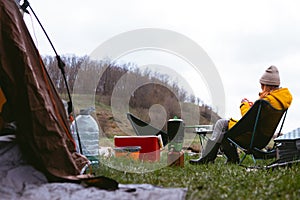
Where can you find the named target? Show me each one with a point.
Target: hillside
(147, 94)
(120, 125)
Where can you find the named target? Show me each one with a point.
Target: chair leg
(243, 158)
(253, 158)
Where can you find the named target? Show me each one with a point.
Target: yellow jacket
(279, 99)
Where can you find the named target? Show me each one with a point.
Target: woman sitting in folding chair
(279, 98)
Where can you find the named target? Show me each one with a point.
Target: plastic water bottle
(88, 130)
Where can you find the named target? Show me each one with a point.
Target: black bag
(288, 148)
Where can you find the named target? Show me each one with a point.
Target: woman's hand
(244, 100)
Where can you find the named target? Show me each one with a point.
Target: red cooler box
(150, 145)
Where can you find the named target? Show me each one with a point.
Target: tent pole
(61, 66)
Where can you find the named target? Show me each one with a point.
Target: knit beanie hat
(270, 77)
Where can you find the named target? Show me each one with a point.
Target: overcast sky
(242, 38)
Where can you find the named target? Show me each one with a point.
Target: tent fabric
(2, 99)
(43, 130)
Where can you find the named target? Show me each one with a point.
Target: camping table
(202, 131)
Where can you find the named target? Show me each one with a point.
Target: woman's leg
(220, 129)
(209, 153)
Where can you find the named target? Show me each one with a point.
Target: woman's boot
(230, 152)
(208, 154)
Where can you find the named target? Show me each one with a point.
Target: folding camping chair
(142, 128)
(255, 130)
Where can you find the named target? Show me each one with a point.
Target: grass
(212, 181)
